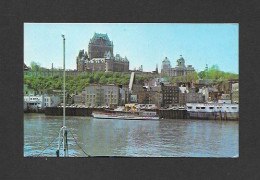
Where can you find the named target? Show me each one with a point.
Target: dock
(71, 111)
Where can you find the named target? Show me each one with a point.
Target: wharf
(70, 111)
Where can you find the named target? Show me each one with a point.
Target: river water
(135, 138)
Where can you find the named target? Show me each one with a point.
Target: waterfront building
(102, 95)
(80, 99)
(205, 93)
(182, 96)
(100, 56)
(193, 96)
(41, 101)
(170, 95)
(235, 93)
(180, 70)
(33, 102)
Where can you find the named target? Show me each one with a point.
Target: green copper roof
(180, 59)
(99, 35)
(166, 60)
(103, 36)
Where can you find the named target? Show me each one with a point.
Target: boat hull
(123, 117)
(214, 115)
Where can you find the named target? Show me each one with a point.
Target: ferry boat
(127, 112)
(141, 115)
(216, 111)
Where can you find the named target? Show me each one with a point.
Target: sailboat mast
(64, 98)
(64, 104)
(63, 130)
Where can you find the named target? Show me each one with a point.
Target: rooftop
(101, 36)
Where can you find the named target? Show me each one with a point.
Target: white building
(179, 70)
(41, 101)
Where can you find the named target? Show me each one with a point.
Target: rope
(47, 146)
(79, 145)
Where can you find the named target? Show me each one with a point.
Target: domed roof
(181, 62)
(166, 60)
(181, 59)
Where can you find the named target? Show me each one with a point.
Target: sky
(144, 44)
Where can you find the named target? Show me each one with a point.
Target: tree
(110, 80)
(116, 75)
(103, 80)
(202, 75)
(35, 66)
(173, 80)
(96, 77)
(192, 77)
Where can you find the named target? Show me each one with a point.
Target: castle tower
(81, 60)
(109, 62)
(98, 45)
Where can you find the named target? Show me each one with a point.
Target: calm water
(100, 137)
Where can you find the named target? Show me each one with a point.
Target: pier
(57, 111)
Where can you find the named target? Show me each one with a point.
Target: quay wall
(58, 111)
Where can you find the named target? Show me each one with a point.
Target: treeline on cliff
(79, 82)
(213, 73)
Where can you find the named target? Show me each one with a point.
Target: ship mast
(63, 130)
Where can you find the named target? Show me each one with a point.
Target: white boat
(216, 111)
(125, 115)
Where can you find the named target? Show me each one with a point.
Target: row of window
(170, 91)
(165, 98)
(169, 102)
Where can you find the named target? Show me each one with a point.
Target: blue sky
(142, 43)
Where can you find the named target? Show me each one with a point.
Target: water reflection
(100, 137)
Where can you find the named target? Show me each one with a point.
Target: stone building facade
(235, 93)
(170, 95)
(102, 95)
(193, 96)
(180, 70)
(100, 56)
(98, 45)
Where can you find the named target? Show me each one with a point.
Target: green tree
(35, 66)
(192, 77)
(103, 80)
(110, 80)
(202, 75)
